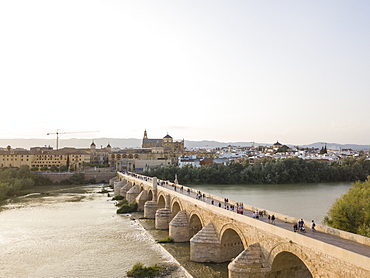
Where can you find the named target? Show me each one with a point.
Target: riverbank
(175, 268)
(99, 176)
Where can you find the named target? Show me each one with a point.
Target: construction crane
(57, 134)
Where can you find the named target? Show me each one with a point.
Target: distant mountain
(216, 144)
(334, 146)
(318, 145)
(136, 143)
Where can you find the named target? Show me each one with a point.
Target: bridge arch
(175, 207)
(195, 224)
(237, 230)
(232, 242)
(288, 260)
(150, 195)
(161, 201)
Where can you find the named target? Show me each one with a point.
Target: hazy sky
(293, 71)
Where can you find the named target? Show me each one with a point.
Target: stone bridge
(254, 247)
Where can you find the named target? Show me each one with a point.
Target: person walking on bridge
(313, 224)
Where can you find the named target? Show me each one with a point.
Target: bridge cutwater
(254, 247)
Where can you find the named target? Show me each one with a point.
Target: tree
(351, 212)
(266, 170)
(63, 168)
(77, 178)
(54, 168)
(283, 149)
(68, 162)
(12, 180)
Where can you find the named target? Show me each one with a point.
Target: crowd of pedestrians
(299, 226)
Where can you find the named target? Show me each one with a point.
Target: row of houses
(44, 158)
(154, 152)
(253, 154)
(157, 152)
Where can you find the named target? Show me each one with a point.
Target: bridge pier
(141, 199)
(124, 189)
(179, 227)
(250, 263)
(150, 207)
(117, 187)
(205, 246)
(132, 193)
(163, 216)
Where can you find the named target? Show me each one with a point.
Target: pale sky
(293, 71)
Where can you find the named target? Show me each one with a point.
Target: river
(75, 232)
(307, 200)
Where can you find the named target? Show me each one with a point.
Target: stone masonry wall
(99, 176)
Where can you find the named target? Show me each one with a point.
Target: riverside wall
(98, 176)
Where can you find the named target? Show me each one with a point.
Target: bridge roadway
(325, 237)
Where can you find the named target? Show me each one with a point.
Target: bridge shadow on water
(181, 252)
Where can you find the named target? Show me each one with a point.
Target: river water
(308, 200)
(75, 232)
